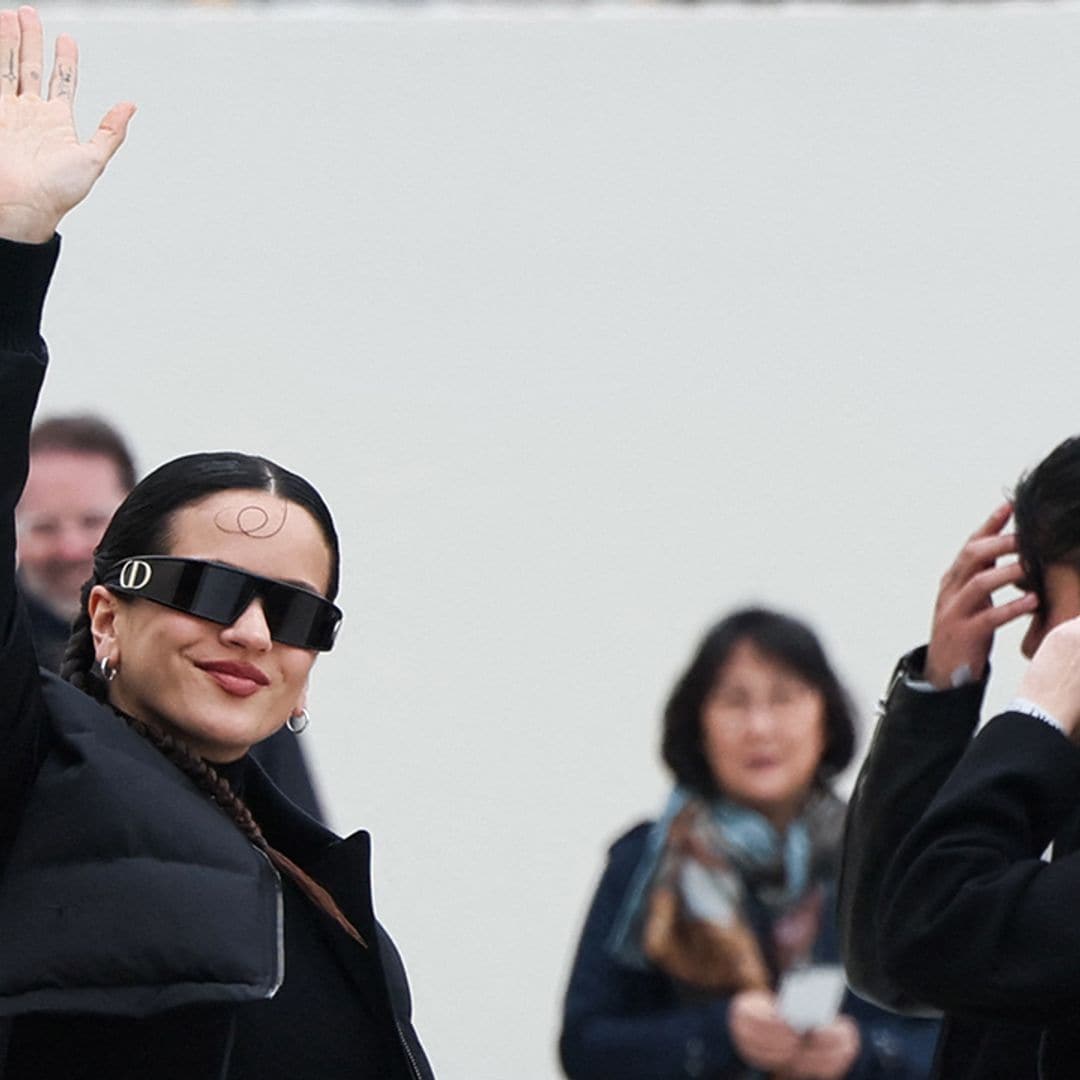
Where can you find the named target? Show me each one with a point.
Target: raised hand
(965, 617)
(44, 169)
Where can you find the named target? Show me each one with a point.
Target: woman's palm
(44, 169)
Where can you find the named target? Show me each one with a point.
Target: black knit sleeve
(25, 270)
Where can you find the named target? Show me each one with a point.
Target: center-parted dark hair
(143, 525)
(794, 646)
(1046, 511)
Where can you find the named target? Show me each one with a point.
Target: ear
(103, 608)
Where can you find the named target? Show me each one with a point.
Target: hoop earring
(108, 672)
(298, 723)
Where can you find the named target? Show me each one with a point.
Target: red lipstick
(235, 677)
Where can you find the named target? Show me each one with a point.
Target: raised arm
(976, 920)
(44, 171)
(928, 716)
(919, 738)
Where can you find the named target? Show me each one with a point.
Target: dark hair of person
(142, 525)
(794, 646)
(1046, 511)
(84, 433)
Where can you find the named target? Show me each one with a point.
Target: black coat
(136, 920)
(941, 856)
(49, 631)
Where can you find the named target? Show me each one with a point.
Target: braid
(206, 778)
(77, 666)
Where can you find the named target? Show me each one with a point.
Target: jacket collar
(342, 867)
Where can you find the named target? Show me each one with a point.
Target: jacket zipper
(413, 1067)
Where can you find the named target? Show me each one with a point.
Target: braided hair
(142, 525)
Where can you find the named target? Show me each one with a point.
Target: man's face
(68, 500)
(1062, 592)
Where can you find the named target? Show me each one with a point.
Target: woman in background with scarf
(701, 914)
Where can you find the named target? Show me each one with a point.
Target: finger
(112, 130)
(767, 1056)
(997, 616)
(988, 548)
(65, 72)
(776, 1043)
(995, 522)
(9, 53)
(767, 1044)
(961, 600)
(978, 590)
(976, 555)
(811, 1065)
(31, 52)
(819, 1040)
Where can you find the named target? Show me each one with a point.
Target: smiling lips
(762, 762)
(238, 679)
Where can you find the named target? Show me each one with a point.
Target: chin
(767, 802)
(220, 735)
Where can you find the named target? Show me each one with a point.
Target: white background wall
(590, 323)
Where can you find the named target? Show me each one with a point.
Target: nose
(759, 718)
(76, 544)
(250, 630)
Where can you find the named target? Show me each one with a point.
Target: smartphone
(810, 996)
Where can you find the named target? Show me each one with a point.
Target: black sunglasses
(220, 593)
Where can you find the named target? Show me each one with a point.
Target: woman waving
(164, 910)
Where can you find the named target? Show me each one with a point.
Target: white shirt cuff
(1029, 708)
(960, 677)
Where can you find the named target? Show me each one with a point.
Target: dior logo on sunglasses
(221, 593)
(135, 574)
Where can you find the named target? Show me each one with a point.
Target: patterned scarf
(705, 864)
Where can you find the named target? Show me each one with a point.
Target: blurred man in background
(80, 471)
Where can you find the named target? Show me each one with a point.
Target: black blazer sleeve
(973, 919)
(24, 277)
(920, 737)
